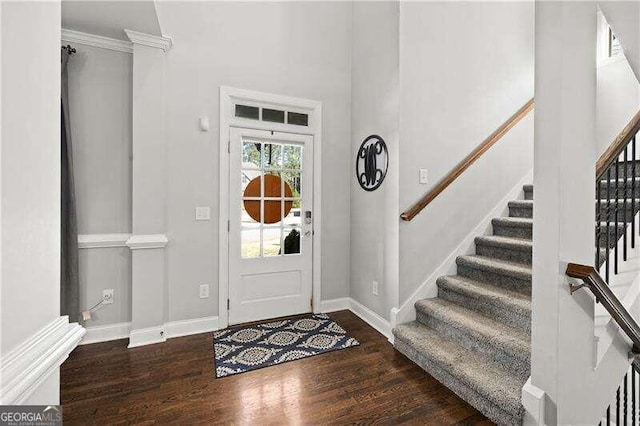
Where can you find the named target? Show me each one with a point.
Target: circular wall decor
(272, 188)
(372, 162)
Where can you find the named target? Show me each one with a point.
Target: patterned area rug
(247, 348)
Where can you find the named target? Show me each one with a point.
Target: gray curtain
(69, 280)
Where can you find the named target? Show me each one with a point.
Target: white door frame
(229, 96)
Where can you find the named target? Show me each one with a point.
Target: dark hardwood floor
(174, 382)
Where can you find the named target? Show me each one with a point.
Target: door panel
(271, 231)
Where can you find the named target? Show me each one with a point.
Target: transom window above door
(272, 115)
(271, 194)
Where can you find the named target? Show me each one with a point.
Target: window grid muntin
(261, 226)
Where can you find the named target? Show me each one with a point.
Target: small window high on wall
(609, 47)
(614, 44)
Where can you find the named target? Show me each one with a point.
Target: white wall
(374, 110)
(618, 92)
(464, 69)
(30, 169)
(100, 98)
(618, 100)
(295, 49)
(100, 105)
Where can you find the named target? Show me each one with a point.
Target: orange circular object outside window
(272, 188)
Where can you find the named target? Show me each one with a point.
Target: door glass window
(271, 199)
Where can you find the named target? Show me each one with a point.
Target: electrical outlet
(375, 288)
(107, 296)
(204, 291)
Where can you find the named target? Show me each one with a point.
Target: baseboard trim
(106, 333)
(26, 366)
(333, 305)
(146, 336)
(373, 319)
(406, 312)
(151, 335)
(191, 326)
(159, 334)
(533, 402)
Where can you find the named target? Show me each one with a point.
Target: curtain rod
(69, 49)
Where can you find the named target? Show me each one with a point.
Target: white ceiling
(111, 18)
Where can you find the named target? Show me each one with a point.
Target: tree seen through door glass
(271, 199)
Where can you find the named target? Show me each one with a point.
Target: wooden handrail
(468, 161)
(618, 145)
(603, 294)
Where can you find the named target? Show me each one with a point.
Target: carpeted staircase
(475, 336)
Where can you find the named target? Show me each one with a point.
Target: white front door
(271, 224)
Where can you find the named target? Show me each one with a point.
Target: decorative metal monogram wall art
(372, 162)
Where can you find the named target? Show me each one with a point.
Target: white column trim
(163, 42)
(102, 240)
(27, 365)
(148, 241)
(71, 36)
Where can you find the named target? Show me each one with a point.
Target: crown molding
(71, 36)
(148, 241)
(163, 43)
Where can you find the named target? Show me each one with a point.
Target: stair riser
(488, 307)
(504, 253)
(513, 231)
(612, 212)
(621, 167)
(490, 409)
(521, 367)
(612, 235)
(528, 194)
(505, 281)
(518, 211)
(621, 192)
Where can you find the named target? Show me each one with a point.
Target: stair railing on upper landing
(419, 205)
(619, 163)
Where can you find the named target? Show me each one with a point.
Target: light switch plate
(424, 176)
(203, 213)
(204, 124)
(204, 291)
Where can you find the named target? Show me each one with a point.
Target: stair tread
(521, 203)
(511, 340)
(504, 267)
(620, 179)
(470, 286)
(506, 242)
(471, 368)
(618, 200)
(522, 222)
